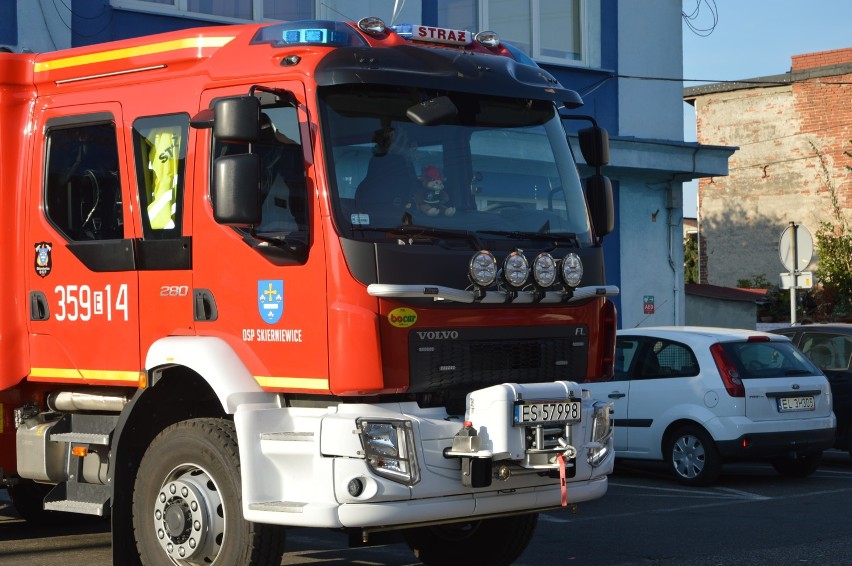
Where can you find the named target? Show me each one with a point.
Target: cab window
(284, 190)
(82, 189)
(160, 153)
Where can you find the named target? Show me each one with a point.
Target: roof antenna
(397, 8)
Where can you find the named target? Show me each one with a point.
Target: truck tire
(187, 501)
(490, 541)
(693, 456)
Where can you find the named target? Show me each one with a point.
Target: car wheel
(490, 541)
(693, 456)
(187, 505)
(797, 467)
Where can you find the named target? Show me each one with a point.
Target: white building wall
(651, 254)
(650, 212)
(650, 44)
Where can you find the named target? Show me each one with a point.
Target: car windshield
(769, 359)
(498, 168)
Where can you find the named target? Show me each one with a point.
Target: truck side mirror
(599, 199)
(235, 190)
(594, 145)
(237, 119)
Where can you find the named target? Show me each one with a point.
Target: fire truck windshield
(497, 167)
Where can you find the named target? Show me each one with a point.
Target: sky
(754, 38)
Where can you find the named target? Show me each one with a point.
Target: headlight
(544, 270)
(389, 449)
(602, 428)
(516, 269)
(483, 268)
(572, 270)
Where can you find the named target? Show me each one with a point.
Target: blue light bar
(310, 32)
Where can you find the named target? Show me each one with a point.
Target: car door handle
(616, 395)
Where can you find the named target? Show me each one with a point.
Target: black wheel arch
(673, 427)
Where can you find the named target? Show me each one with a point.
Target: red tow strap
(562, 483)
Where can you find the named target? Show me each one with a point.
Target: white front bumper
(297, 463)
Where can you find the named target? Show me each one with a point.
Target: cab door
(265, 289)
(82, 284)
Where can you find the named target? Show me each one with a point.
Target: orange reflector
(80, 451)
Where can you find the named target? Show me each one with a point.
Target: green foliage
(777, 304)
(690, 258)
(834, 249)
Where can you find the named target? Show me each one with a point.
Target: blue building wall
(9, 22)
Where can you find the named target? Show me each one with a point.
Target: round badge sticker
(402, 317)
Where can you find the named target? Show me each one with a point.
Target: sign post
(796, 249)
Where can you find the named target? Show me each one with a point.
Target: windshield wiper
(555, 237)
(798, 372)
(413, 231)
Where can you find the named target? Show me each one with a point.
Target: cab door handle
(617, 395)
(204, 306)
(38, 306)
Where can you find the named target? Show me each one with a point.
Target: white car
(697, 397)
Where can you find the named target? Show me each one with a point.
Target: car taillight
(729, 373)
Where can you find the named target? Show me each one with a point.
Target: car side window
(828, 351)
(664, 358)
(625, 352)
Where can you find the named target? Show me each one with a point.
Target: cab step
(74, 497)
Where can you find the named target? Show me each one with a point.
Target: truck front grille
(472, 358)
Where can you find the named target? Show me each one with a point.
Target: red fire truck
(313, 274)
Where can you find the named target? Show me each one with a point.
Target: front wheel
(693, 455)
(187, 501)
(797, 467)
(490, 541)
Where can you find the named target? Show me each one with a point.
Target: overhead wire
(690, 19)
(589, 89)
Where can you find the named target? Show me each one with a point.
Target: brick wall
(792, 139)
(822, 59)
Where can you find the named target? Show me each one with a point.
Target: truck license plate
(547, 412)
(795, 404)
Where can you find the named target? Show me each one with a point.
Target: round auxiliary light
(516, 269)
(483, 268)
(487, 39)
(544, 270)
(572, 270)
(372, 25)
(355, 487)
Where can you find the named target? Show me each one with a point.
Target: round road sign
(804, 248)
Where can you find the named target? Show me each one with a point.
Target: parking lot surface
(751, 516)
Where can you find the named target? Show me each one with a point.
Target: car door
(666, 384)
(617, 391)
(832, 353)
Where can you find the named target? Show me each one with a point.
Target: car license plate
(547, 412)
(795, 404)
